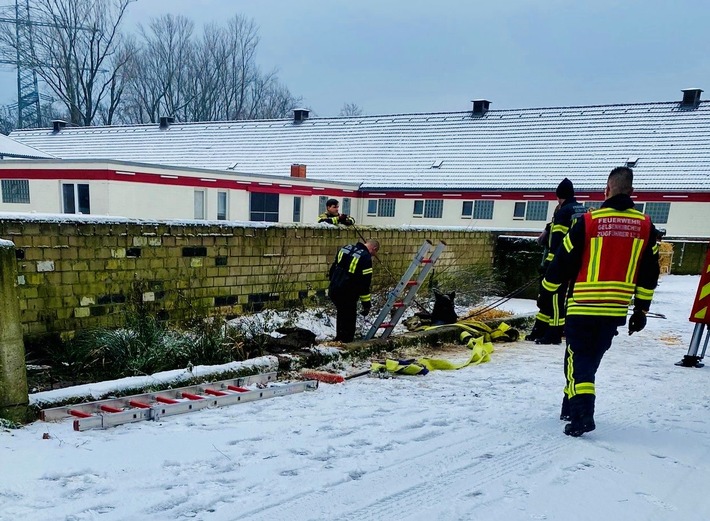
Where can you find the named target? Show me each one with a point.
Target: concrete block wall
(83, 273)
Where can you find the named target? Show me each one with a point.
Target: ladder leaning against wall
(422, 260)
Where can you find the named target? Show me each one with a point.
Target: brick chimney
(298, 170)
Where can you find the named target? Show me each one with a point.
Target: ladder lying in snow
(154, 406)
(413, 285)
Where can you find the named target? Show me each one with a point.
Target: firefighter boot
(581, 409)
(537, 331)
(565, 414)
(553, 335)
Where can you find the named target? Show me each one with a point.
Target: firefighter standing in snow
(548, 327)
(609, 256)
(350, 278)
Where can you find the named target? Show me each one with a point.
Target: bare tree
(213, 78)
(79, 54)
(350, 109)
(161, 71)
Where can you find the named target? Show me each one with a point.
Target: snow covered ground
(482, 443)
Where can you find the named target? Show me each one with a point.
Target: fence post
(14, 399)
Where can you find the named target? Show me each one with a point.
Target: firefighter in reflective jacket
(350, 278)
(609, 256)
(550, 325)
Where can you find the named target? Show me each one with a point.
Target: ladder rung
(191, 396)
(412, 283)
(398, 304)
(215, 392)
(108, 408)
(426, 261)
(163, 399)
(238, 389)
(79, 414)
(138, 405)
(385, 326)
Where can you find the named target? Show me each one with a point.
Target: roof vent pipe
(480, 107)
(691, 98)
(300, 115)
(166, 121)
(58, 125)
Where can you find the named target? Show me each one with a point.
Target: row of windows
(265, 207)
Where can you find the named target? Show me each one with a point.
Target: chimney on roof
(166, 121)
(480, 107)
(300, 115)
(298, 170)
(58, 125)
(691, 98)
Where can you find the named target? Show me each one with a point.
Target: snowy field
(482, 443)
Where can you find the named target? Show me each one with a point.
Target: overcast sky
(398, 56)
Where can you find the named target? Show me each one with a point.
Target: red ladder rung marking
(426, 261)
(214, 392)
(238, 389)
(412, 283)
(79, 414)
(386, 325)
(191, 396)
(398, 305)
(138, 405)
(163, 399)
(108, 408)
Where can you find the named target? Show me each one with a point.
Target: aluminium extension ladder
(413, 285)
(154, 406)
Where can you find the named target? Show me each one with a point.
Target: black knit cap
(565, 190)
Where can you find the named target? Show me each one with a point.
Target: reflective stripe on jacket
(610, 255)
(351, 272)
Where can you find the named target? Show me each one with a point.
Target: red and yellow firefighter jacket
(610, 256)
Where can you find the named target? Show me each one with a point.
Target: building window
(639, 207)
(467, 210)
(483, 210)
(264, 207)
(536, 211)
(429, 208)
(531, 210)
(346, 205)
(593, 205)
(221, 206)
(297, 203)
(321, 203)
(16, 191)
(372, 207)
(658, 212)
(199, 204)
(75, 198)
(381, 207)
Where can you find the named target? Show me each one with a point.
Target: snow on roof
(519, 149)
(11, 148)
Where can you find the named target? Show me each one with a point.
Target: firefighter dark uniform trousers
(350, 278)
(610, 256)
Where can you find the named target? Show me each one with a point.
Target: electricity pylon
(29, 112)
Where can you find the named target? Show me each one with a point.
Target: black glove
(637, 321)
(343, 218)
(366, 306)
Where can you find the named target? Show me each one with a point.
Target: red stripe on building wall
(277, 186)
